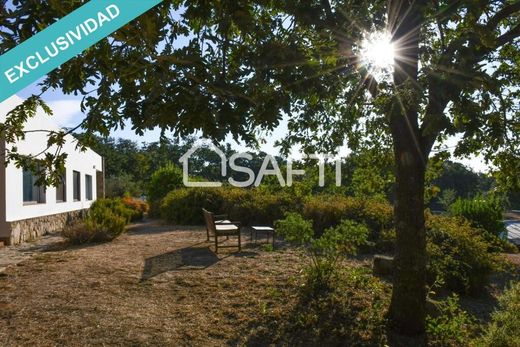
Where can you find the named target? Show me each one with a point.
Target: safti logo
(256, 180)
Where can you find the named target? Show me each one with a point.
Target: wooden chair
(222, 227)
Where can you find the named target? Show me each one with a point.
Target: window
(88, 187)
(76, 178)
(61, 189)
(32, 194)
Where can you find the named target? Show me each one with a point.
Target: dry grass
(155, 286)
(163, 286)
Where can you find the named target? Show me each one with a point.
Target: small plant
(294, 228)
(326, 251)
(77, 233)
(504, 329)
(335, 243)
(105, 221)
(267, 247)
(452, 326)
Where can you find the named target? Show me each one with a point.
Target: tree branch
(328, 10)
(503, 14)
(509, 36)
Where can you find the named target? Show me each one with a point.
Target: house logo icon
(185, 159)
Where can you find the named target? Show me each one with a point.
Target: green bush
(483, 213)
(504, 329)
(327, 211)
(183, 206)
(451, 327)
(294, 228)
(105, 221)
(324, 251)
(262, 208)
(163, 181)
(115, 207)
(458, 254)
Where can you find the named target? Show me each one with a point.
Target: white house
(28, 211)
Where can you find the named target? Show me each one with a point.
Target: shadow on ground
(190, 258)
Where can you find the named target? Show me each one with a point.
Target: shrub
(325, 251)
(327, 211)
(336, 242)
(137, 206)
(452, 326)
(484, 213)
(458, 254)
(77, 233)
(294, 228)
(163, 181)
(261, 207)
(504, 329)
(351, 314)
(106, 220)
(183, 206)
(109, 206)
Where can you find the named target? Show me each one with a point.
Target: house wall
(87, 163)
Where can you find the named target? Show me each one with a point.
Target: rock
(383, 265)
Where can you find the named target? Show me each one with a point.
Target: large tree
(236, 66)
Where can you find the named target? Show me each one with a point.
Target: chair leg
(239, 242)
(216, 244)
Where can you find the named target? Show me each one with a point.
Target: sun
(378, 54)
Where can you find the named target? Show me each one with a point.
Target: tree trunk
(408, 306)
(407, 309)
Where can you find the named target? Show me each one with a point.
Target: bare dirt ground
(157, 285)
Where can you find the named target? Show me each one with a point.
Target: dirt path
(13, 255)
(157, 285)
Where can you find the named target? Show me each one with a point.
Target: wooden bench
(221, 227)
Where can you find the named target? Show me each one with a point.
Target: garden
(404, 246)
(318, 285)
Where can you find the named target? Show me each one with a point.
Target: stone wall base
(30, 229)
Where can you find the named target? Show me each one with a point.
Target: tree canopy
(235, 66)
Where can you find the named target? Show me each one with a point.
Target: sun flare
(378, 54)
